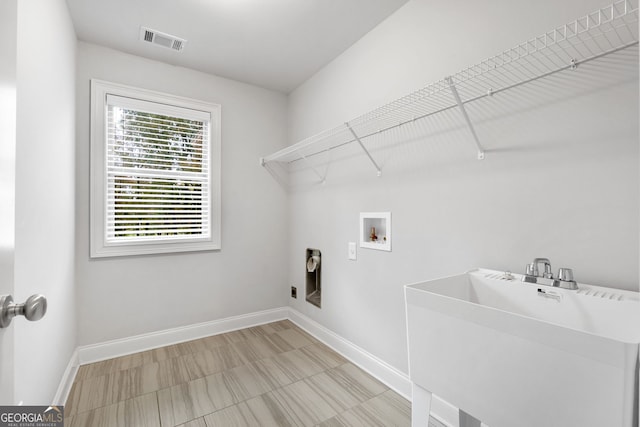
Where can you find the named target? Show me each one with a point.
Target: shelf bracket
(364, 149)
(456, 95)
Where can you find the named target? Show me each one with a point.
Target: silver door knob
(34, 308)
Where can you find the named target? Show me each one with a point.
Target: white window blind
(157, 172)
(156, 167)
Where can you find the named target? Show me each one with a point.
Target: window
(155, 172)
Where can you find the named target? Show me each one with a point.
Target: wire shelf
(595, 35)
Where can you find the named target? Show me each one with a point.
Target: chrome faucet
(564, 280)
(547, 268)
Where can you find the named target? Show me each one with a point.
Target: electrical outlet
(294, 292)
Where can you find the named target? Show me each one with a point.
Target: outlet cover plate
(352, 251)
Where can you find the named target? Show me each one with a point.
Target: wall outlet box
(352, 251)
(294, 292)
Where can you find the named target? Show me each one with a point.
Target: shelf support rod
(302, 156)
(456, 96)
(364, 149)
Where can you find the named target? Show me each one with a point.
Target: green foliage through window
(157, 178)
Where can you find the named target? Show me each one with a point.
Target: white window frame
(99, 246)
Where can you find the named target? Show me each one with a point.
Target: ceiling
(276, 44)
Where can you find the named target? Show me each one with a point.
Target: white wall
(121, 297)
(45, 193)
(8, 25)
(560, 178)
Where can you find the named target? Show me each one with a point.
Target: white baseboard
(387, 374)
(396, 380)
(66, 382)
(122, 347)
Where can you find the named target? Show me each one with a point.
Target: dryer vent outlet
(313, 276)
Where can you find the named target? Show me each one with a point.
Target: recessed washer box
(375, 230)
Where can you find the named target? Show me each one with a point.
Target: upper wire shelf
(607, 30)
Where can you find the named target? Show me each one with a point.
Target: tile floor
(269, 375)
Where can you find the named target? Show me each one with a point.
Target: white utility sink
(516, 354)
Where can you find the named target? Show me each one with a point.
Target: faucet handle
(531, 270)
(565, 274)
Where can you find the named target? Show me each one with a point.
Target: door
(8, 28)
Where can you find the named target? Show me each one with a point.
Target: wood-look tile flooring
(269, 375)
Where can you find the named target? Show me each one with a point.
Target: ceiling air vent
(162, 39)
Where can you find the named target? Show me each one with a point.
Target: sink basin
(511, 353)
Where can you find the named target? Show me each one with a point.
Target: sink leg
(467, 420)
(420, 406)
